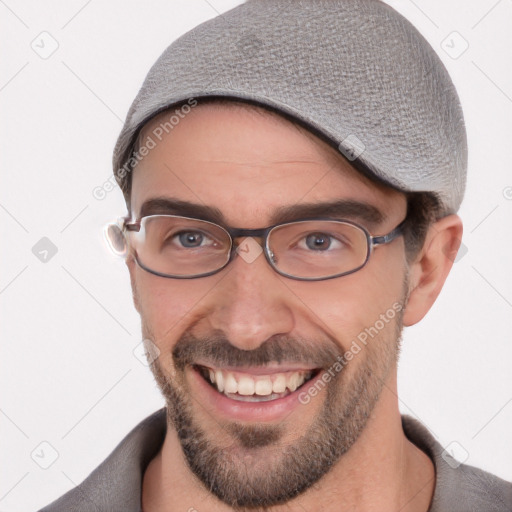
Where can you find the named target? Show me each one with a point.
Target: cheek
(169, 306)
(348, 307)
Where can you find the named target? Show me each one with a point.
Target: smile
(248, 387)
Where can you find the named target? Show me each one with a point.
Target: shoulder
(459, 487)
(116, 483)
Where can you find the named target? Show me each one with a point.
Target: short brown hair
(423, 209)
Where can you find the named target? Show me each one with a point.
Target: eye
(191, 239)
(320, 242)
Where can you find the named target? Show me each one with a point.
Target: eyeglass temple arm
(125, 224)
(385, 239)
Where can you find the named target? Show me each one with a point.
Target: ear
(431, 267)
(130, 263)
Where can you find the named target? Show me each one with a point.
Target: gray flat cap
(355, 72)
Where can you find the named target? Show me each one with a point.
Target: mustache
(216, 350)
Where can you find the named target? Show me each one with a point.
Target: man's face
(251, 324)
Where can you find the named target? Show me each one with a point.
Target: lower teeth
(255, 398)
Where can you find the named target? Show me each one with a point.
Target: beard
(256, 468)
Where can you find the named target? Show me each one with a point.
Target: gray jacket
(115, 485)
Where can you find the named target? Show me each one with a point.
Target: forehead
(246, 162)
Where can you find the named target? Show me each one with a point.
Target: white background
(68, 373)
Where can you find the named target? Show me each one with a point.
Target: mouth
(254, 386)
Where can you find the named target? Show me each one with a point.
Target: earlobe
(431, 267)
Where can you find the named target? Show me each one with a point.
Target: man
(292, 172)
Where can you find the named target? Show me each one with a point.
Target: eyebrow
(337, 209)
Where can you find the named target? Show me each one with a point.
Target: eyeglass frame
(124, 224)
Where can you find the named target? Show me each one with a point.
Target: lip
(258, 412)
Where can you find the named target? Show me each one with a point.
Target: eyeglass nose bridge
(262, 233)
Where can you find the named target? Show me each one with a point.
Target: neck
(382, 471)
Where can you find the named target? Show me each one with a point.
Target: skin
(247, 164)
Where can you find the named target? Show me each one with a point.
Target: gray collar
(459, 487)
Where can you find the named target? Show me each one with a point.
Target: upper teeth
(262, 385)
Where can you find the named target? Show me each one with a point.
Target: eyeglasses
(184, 248)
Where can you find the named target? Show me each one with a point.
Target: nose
(251, 304)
